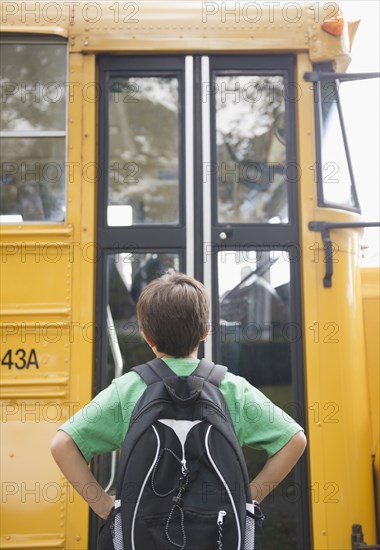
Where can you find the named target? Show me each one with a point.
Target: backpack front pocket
(191, 529)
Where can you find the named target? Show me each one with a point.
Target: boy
(173, 313)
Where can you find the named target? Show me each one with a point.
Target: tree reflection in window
(34, 90)
(33, 87)
(251, 150)
(144, 148)
(254, 315)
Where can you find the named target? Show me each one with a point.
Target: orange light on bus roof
(334, 26)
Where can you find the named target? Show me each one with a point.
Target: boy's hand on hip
(70, 460)
(104, 506)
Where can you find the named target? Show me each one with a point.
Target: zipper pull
(221, 515)
(184, 467)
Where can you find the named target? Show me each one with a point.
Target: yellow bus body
(370, 277)
(48, 283)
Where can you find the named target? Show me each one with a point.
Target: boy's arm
(277, 467)
(75, 468)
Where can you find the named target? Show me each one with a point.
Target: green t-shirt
(101, 425)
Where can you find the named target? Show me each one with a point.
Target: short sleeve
(258, 422)
(101, 425)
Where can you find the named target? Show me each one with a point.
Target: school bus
(205, 137)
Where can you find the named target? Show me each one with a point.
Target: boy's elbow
(59, 443)
(56, 444)
(300, 441)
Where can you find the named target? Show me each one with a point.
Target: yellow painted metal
(170, 26)
(24, 251)
(47, 309)
(370, 277)
(35, 282)
(338, 425)
(82, 208)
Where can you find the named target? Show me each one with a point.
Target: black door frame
(267, 237)
(143, 238)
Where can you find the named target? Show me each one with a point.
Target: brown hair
(173, 312)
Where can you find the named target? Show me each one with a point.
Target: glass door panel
(254, 315)
(127, 275)
(255, 335)
(143, 151)
(251, 151)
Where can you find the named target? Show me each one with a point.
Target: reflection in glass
(254, 315)
(33, 87)
(32, 179)
(251, 149)
(128, 274)
(144, 149)
(336, 179)
(256, 333)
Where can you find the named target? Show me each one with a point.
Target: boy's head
(173, 313)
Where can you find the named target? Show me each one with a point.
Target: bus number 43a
(20, 359)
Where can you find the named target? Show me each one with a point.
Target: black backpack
(182, 479)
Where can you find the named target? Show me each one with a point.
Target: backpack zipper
(144, 409)
(156, 401)
(225, 486)
(221, 514)
(219, 523)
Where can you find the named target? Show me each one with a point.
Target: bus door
(198, 174)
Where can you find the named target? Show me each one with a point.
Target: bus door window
(127, 276)
(256, 332)
(251, 152)
(254, 315)
(143, 151)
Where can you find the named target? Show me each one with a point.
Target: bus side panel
(347, 490)
(371, 311)
(47, 338)
(35, 360)
(338, 427)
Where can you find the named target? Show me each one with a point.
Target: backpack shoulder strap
(210, 372)
(153, 371)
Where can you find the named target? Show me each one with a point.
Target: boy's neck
(193, 355)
